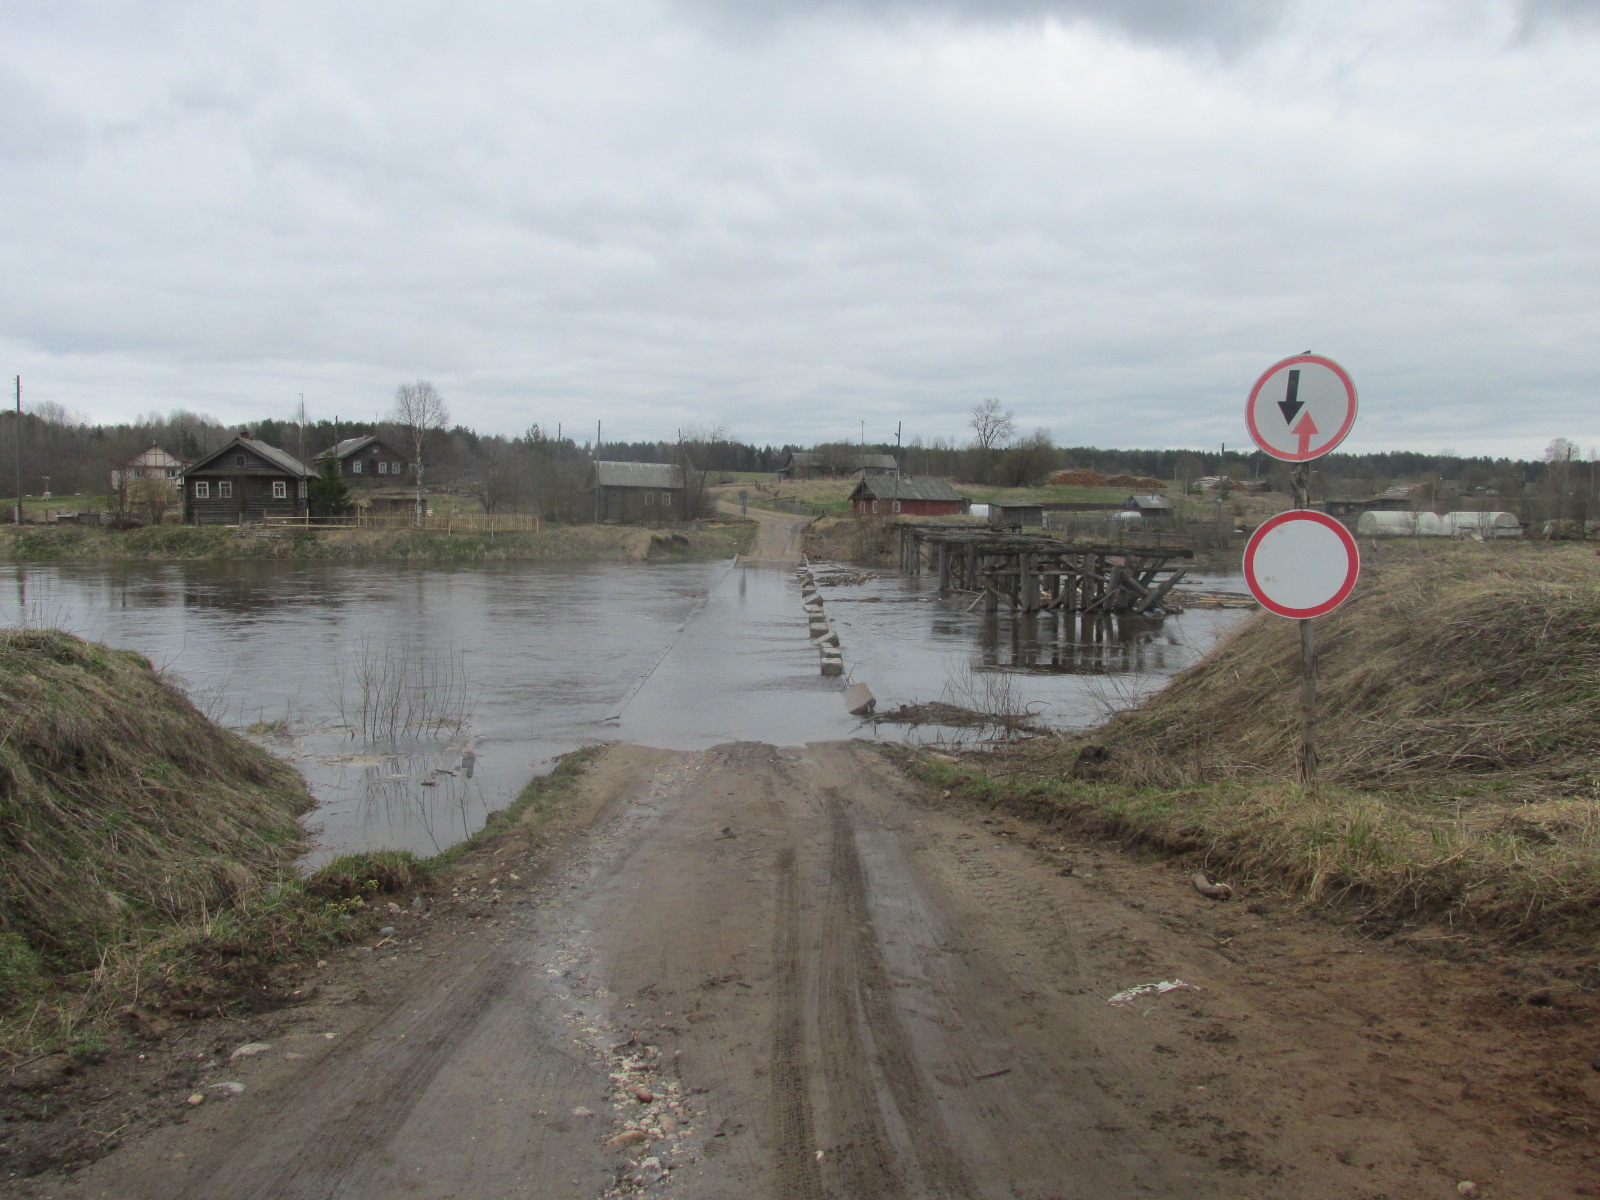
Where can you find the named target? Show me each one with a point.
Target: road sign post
(1302, 564)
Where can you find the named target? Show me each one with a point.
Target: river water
(418, 699)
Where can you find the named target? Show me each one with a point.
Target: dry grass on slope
(1459, 732)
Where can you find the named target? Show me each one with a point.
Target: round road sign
(1301, 408)
(1301, 564)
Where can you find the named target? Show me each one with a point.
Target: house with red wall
(912, 496)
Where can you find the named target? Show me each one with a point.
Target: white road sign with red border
(1301, 408)
(1301, 564)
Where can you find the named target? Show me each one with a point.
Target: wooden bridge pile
(1035, 573)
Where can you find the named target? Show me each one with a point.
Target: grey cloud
(1170, 22)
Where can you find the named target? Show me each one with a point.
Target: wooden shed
(1016, 516)
(244, 483)
(631, 493)
(1150, 507)
(915, 495)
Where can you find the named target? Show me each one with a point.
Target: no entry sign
(1301, 408)
(1301, 564)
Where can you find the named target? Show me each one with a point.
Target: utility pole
(17, 515)
(897, 427)
(302, 428)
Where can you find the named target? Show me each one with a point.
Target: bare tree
(992, 426)
(419, 411)
(1562, 455)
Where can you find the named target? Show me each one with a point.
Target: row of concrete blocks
(823, 635)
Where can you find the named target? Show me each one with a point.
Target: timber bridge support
(1032, 573)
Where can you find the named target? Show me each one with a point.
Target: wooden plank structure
(1030, 573)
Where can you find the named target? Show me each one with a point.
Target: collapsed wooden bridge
(1032, 573)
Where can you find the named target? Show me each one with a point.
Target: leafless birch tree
(419, 410)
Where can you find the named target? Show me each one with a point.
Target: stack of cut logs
(823, 635)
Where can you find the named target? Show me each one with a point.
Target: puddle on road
(683, 656)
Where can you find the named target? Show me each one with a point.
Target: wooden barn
(630, 493)
(244, 483)
(915, 495)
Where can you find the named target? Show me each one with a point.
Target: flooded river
(418, 699)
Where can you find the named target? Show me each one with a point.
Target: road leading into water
(778, 536)
(793, 973)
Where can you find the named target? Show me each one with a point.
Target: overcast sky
(789, 216)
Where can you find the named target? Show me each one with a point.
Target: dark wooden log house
(244, 483)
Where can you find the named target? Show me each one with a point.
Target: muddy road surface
(792, 973)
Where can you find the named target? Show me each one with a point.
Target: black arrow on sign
(1291, 404)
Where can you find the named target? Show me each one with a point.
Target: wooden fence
(490, 523)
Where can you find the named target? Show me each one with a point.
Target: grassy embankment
(148, 857)
(557, 543)
(1459, 735)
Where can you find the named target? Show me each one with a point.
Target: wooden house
(244, 483)
(1016, 516)
(630, 493)
(914, 495)
(369, 462)
(804, 464)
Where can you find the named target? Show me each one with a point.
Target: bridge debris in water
(1032, 573)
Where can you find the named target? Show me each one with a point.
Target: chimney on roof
(245, 434)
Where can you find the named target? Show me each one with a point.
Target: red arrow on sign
(1305, 431)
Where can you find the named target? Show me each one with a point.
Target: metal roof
(350, 446)
(803, 458)
(640, 475)
(885, 461)
(1143, 503)
(906, 487)
(283, 461)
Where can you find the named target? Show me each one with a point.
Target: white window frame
(202, 489)
(355, 466)
(224, 489)
(383, 467)
(280, 489)
(300, 489)
(897, 506)
(874, 506)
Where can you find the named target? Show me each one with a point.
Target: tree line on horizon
(540, 472)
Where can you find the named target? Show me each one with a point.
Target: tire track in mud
(881, 1076)
(364, 1113)
(794, 1140)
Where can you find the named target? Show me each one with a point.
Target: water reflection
(1065, 643)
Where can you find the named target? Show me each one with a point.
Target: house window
(202, 490)
(394, 468)
(897, 506)
(874, 506)
(355, 467)
(280, 490)
(172, 472)
(383, 468)
(649, 499)
(666, 497)
(301, 490)
(238, 460)
(224, 489)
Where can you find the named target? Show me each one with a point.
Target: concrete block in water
(831, 638)
(833, 666)
(859, 700)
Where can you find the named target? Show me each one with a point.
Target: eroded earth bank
(761, 972)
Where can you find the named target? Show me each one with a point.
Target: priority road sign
(1301, 564)
(1301, 408)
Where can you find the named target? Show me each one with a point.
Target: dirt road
(790, 973)
(777, 536)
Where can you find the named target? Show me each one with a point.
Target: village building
(631, 493)
(869, 465)
(154, 463)
(1149, 508)
(803, 464)
(376, 474)
(368, 462)
(1016, 516)
(915, 495)
(244, 483)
